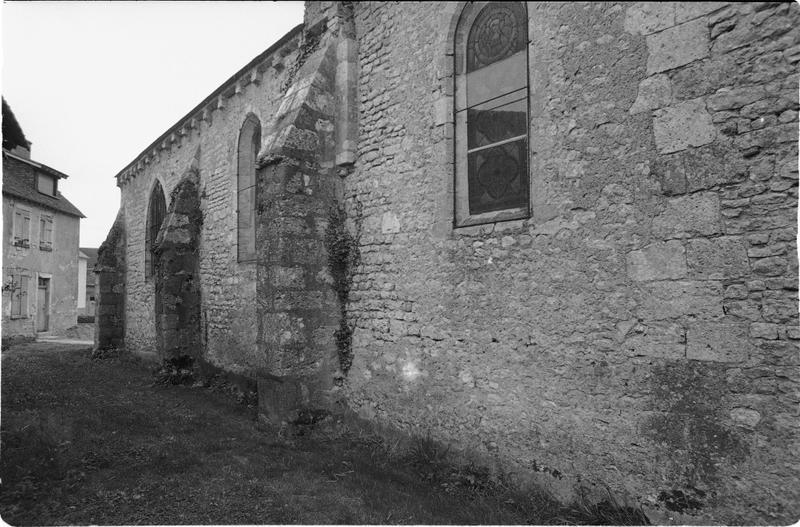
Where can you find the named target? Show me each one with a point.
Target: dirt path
(97, 442)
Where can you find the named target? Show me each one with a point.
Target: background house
(87, 257)
(40, 242)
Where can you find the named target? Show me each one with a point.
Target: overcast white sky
(94, 83)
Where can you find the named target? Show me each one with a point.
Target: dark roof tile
(19, 181)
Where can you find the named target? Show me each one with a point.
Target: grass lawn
(87, 441)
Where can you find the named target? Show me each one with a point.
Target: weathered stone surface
(691, 10)
(658, 261)
(665, 341)
(677, 46)
(712, 165)
(389, 223)
(674, 299)
(746, 417)
(717, 258)
(718, 342)
(671, 174)
(644, 18)
(683, 125)
(654, 92)
(772, 266)
(779, 307)
(692, 215)
(735, 98)
(763, 330)
(109, 330)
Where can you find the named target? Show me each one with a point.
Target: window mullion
(504, 141)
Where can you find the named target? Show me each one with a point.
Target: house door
(43, 303)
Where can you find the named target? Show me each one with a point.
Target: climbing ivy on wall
(343, 258)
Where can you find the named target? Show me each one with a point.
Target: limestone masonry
(635, 324)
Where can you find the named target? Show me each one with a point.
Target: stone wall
(109, 319)
(177, 284)
(301, 239)
(640, 329)
(206, 138)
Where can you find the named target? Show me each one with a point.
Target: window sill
(18, 317)
(23, 244)
(493, 217)
(48, 248)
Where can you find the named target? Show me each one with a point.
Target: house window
(22, 227)
(19, 295)
(491, 113)
(46, 184)
(249, 144)
(156, 212)
(45, 233)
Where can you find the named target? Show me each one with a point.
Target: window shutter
(17, 225)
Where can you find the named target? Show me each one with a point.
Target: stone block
(677, 46)
(672, 299)
(736, 291)
(717, 258)
(779, 307)
(745, 416)
(767, 137)
(654, 92)
(692, 215)
(763, 330)
(718, 342)
(776, 249)
(666, 341)
(289, 277)
(683, 125)
(712, 165)
(292, 300)
(690, 10)
(657, 261)
(389, 223)
(747, 309)
(643, 18)
(735, 98)
(671, 174)
(771, 266)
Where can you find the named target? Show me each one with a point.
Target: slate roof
(19, 180)
(12, 131)
(91, 254)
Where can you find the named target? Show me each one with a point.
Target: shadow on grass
(98, 442)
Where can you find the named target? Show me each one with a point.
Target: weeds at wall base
(434, 463)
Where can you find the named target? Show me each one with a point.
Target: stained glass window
(492, 113)
(499, 31)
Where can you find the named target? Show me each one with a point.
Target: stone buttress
(299, 217)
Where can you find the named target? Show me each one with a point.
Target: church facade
(560, 237)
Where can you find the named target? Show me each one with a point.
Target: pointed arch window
(156, 212)
(247, 151)
(491, 113)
